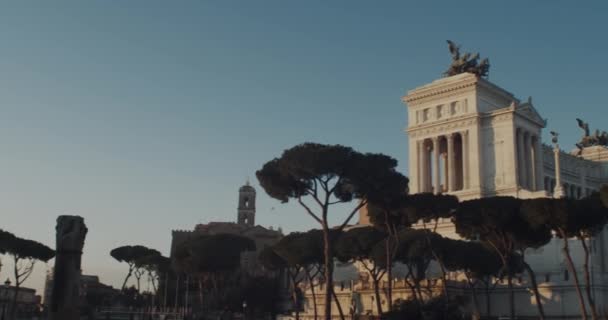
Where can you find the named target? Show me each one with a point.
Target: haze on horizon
(147, 116)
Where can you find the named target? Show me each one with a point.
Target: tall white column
(424, 167)
(533, 178)
(444, 185)
(451, 164)
(559, 189)
(527, 171)
(540, 172)
(465, 159)
(419, 150)
(436, 189)
(520, 157)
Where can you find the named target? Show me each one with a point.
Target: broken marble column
(65, 299)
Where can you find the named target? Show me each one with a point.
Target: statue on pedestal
(466, 63)
(65, 299)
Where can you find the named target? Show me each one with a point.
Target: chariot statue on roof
(587, 140)
(466, 62)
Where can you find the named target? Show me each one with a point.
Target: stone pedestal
(65, 299)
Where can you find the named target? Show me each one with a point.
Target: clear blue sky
(147, 116)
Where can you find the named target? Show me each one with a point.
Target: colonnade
(443, 163)
(528, 159)
(570, 190)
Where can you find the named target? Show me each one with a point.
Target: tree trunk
(124, 284)
(153, 282)
(505, 267)
(338, 305)
(329, 268)
(443, 272)
(413, 291)
(418, 288)
(295, 294)
(389, 275)
(13, 309)
(186, 298)
(476, 311)
(511, 295)
(377, 294)
(200, 292)
(566, 251)
(590, 299)
(389, 260)
(411, 285)
(138, 277)
(314, 296)
(445, 283)
(165, 291)
(539, 303)
(488, 302)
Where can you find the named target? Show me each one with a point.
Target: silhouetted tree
(425, 208)
(5, 240)
(569, 218)
(271, 261)
(156, 266)
(499, 222)
(261, 295)
(130, 255)
(477, 261)
(303, 255)
(414, 252)
(428, 310)
(209, 258)
(396, 210)
(365, 246)
(25, 253)
(329, 175)
(428, 208)
(385, 211)
(144, 260)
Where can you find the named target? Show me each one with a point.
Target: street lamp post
(7, 285)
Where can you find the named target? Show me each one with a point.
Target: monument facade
(470, 138)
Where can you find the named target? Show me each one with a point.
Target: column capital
(464, 133)
(450, 137)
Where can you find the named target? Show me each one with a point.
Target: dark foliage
(214, 253)
(433, 309)
(5, 239)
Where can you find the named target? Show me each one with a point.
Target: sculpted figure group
(466, 62)
(588, 140)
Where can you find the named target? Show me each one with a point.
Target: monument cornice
(498, 116)
(452, 86)
(443, 87)
(445, 126)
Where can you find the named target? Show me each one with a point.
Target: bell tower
(246, 209)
